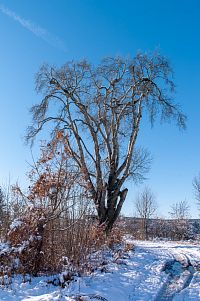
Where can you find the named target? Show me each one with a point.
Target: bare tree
(145, 208)
(196, 185)
(4, 212)
(180, 225)
(99, 111)
(180, 210)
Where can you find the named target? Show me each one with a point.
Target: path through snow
(159, 271)
(182, 262)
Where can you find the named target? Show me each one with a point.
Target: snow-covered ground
(152, 271)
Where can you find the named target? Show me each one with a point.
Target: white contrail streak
(35, 29)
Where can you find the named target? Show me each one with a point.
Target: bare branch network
(99, 109)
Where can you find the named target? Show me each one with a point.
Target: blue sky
(33, 32)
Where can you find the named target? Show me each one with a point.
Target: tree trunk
(38, 252)
(146, 229)
(108, 214)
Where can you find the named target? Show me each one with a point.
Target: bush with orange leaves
(25, 238)
(57, 221)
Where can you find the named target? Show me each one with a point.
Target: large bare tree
(99, 110)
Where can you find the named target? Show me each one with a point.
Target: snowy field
(152, 271)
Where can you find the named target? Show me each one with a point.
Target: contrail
(35, 29)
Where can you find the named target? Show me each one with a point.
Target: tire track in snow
(182, 266)
(180, 274)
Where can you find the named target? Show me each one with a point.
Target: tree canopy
(98, 109)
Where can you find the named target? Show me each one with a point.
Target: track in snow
(181, 265)
(179, 277)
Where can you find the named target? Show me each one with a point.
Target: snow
(15, 224)
(158, 271)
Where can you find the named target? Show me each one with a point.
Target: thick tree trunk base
(109, 215)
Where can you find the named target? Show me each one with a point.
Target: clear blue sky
(35, 31)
